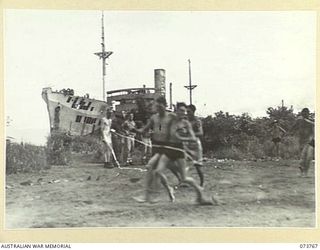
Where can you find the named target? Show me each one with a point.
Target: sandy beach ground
(249, 193)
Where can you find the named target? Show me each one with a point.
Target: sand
(249, 194)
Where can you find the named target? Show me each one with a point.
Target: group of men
(174, 138)
(119, 138)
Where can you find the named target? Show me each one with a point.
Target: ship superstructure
(81, 115)
(126, 99)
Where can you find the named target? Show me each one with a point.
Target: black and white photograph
(159, 119)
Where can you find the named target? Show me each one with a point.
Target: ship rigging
(104, 55)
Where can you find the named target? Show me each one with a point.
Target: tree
(283, 114)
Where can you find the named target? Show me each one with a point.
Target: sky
(242, 62)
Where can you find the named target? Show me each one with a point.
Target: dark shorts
(175, 151)
(157, 149)
(276, 140)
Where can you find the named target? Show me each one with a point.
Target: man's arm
(199, 133)
(148, 126)
(191, 137)
(308, 121)
(282, 129)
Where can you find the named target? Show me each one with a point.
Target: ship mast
(104, 56)
(190, 87)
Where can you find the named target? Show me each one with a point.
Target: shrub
(24, 157)
(59, 149)
(255, 149)
(289, 148)
(85, 144)
(268, 148)
(227, 153)
(246, 137)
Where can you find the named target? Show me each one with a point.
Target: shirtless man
(128, 127)
(305, 129)
(195, 148)
(180, 131)
(159, 123)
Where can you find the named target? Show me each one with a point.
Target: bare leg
(130, 147)
(174, 169)
(107, 154)
(309, 158)
(200, 173)
(150, 178)
(124, 150)
(162, 164)
(277, 149)
(155, 167)
(306, 159)
(189, 180)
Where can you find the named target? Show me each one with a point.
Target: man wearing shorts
(159, 123)
(128, 127)
(180, 131)
(194, 148)
(305, 130)
(277, 132)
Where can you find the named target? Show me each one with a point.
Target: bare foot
(143, 199)
(171, 194)
(140, 199)
(206, 202)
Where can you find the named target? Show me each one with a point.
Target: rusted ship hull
(77, 115)
(71, 114)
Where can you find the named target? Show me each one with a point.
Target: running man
(194, 148)
(159, 123)
(304, 127)
(180, 131)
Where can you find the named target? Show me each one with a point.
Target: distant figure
(147, 150)
(304, 127)
(145, 139)
(276, 132)
(122, 119)
(106, 138)
(56, 119)
(129, 127)
(117, 139)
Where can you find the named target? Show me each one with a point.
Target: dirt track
(250, 194)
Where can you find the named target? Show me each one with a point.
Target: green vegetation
(225, 136)
(244, 137)
(24, 157)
